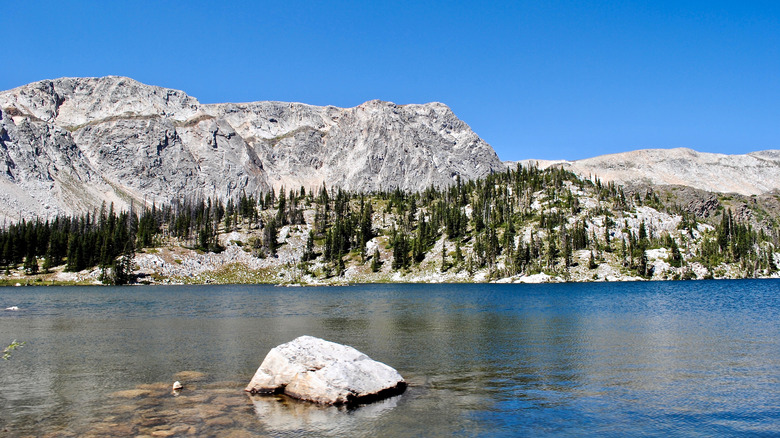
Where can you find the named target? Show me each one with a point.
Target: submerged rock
(313, 369)
(132, 393)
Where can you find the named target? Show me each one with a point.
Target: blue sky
(536, 79)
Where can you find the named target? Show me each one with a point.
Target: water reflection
(629, 359)
(283, 414)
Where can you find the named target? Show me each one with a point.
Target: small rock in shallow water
(313, 369)
(177, 386)
(152, 421)
(219, 422)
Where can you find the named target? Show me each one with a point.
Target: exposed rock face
(313, 369)
(44, 173)
(69, 144)
(751, 174)
(74, 102)
(377, 145)
(700, 206)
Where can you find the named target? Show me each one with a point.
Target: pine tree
(340, 268)
(676, 257)
(270, 234)
(308, 253)
(458, 255)
(47, 263)
(592, 262)
(375, 262)
(281, 212)
(400, 252)
(642, 266)
(30, 265)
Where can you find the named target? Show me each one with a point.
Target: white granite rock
(749, 174)
(68, 144)
(313, 369)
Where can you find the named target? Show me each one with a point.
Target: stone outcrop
(750, 174)
(374, 146)
(44, 173)
(69, 144)
(320, 371)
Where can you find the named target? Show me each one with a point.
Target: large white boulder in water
(313, 369)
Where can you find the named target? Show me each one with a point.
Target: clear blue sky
(536, 79)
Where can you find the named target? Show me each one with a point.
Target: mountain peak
(141, 143)
(72, 102)
(749, 174)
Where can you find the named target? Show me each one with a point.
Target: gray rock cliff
(749, 174)
(78, 142)
(376, 145)
(43, 172)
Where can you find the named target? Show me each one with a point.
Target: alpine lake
(698, 358)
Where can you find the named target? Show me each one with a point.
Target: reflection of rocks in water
(280, 413)
(213, 409)
(132, 393)
(189, 376)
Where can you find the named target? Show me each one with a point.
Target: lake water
(630, 359)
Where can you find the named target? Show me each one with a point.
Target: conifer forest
(523, 224)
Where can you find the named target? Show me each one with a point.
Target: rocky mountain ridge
(69, 144)
(754, 173)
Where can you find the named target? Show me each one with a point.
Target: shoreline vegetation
(521, 225)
